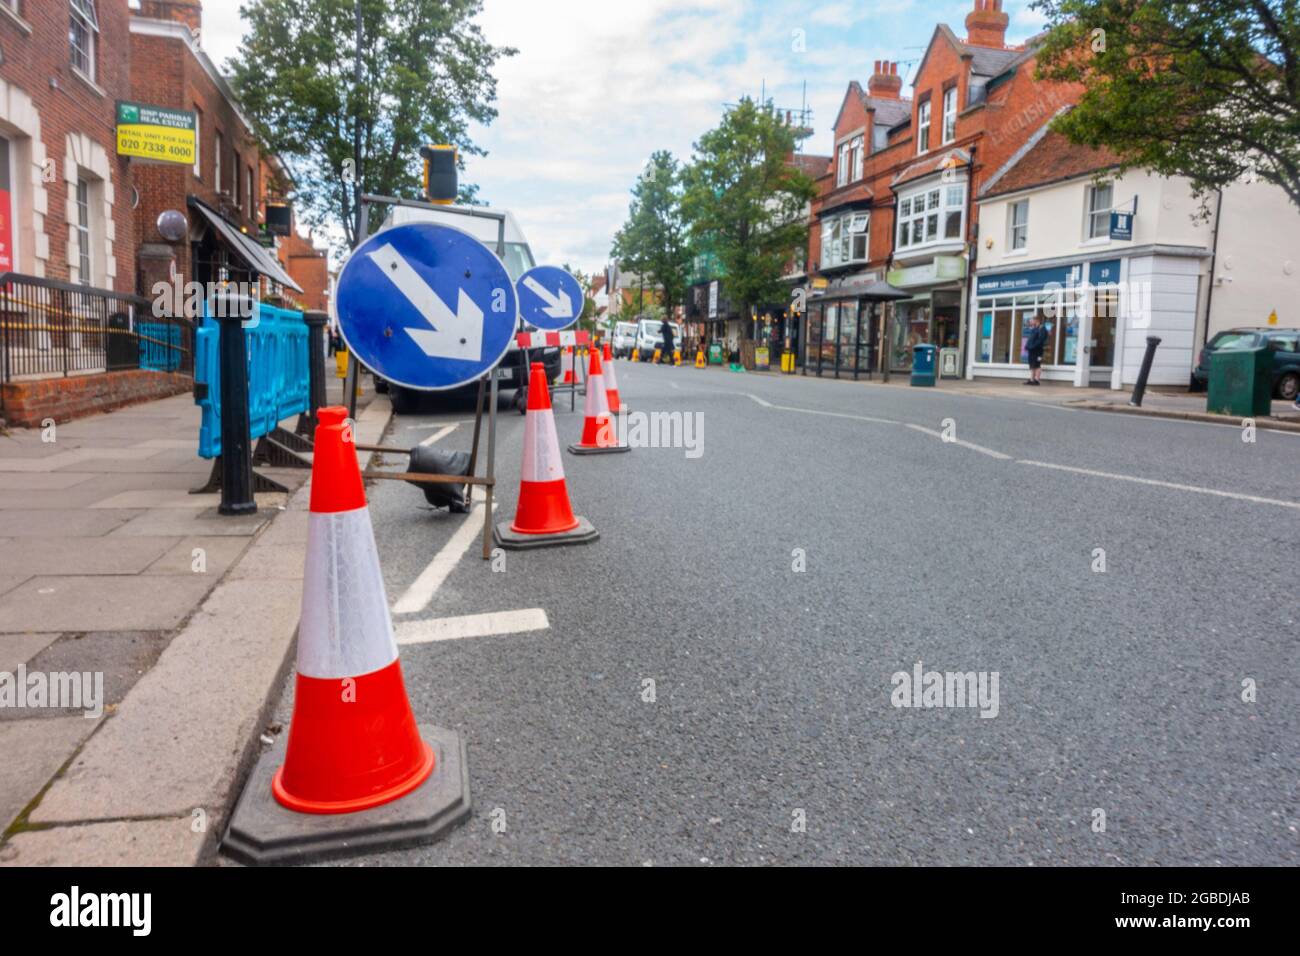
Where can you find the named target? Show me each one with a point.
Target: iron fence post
(1140, 388)
(316, 322)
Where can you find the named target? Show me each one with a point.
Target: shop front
(842, 331)
(1079, 304)
(933, 313)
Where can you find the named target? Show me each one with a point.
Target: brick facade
(59, 122)
(29, 404)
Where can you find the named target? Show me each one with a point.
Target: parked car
(1284, 343)
(623, 339)
(650, 336)
(517, 257)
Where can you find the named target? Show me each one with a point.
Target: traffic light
(440, 184)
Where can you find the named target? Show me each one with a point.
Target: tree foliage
(425, 76)
(1205, 90)
(745, 203)
(653, 240)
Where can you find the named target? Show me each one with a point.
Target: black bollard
(236, 450)
(316, 322)
(1140, 389)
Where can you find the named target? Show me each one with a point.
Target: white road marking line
(472, 625)
(439, 434)
(423, 588)
(818, 411)
(1165, 484)
(965, 444)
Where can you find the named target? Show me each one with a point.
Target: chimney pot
(986, 24)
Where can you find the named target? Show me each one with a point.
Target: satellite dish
(172, 225)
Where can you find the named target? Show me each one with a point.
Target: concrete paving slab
(103, 555)
(101, 602)
(19, 481)
(18, 649)
(119, 843)
(219, 553)
(174, 743)
(10, 581)
(175, 464)
(77, 523)
(114, 659)
(178, 498)
(290, 527)
(179, 522)
(272, 562)
(33, 751)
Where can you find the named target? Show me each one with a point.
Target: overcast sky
(598, 85)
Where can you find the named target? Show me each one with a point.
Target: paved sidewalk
(109, 566)
(1158, 402)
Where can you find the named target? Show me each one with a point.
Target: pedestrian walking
(1035, 342)
(667, 354)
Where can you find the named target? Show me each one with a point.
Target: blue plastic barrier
(278, 374)
(160, 346)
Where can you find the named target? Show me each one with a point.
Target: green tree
(746, 203)
(348, 122)
(653, 240)
(1205, 90)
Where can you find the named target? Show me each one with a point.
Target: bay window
(932, 216)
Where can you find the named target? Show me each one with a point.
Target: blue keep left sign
(426, 306)
(549, 298)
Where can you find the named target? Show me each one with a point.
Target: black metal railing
(50, 328)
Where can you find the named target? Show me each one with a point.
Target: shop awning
(884, 292)
(251, 253)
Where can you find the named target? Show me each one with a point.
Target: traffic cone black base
(581, 450)
(512, 540)
(262, 832)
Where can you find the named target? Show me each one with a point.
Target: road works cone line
(544, 515)
(569, 361)
(597, 427)
(353, 741)
(611, 383)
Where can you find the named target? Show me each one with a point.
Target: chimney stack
(885, 81)
(986, 25)
(188, 12)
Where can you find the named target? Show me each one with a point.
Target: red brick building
(895, 203)
(65, 196)
(223, 194)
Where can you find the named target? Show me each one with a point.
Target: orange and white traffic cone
(611, 383)
(597, 427)
(353, 743)
(544, 515)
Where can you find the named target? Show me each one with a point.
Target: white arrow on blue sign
(549, 298)
(426, 306)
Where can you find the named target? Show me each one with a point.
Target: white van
(514, 253)
(650, 336)
(623, 339)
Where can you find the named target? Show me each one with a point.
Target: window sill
(95, 87)
(16, 19)
(1092, 243)
(1016, 254)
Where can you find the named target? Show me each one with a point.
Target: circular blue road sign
(549, 298)
(426, 306)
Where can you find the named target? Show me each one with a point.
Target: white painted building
(1049, 245)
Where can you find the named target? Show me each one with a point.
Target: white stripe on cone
(342, 636)
(597, 405)
(542, 460)
(611, 380)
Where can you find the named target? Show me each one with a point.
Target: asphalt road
(1118, 691)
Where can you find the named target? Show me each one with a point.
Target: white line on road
(818, 411)
(439, 434)
(965, 444)
(1165, 484)
(472, 625)
(423, 588)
